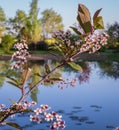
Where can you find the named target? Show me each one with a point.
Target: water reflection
(38, 72)
(4, 70)
(94, 107)
(109, 69)
(85, 75)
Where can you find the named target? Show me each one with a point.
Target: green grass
(2, 52)
(32, 52)
(113, 56)
(44, 52)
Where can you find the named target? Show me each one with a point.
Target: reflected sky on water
(90, 105)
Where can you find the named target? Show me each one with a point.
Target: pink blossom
(44, 107)
(2, 105)
(3, 123)
(12, 116)
(77, 43)
(58, 117)
(33, 103)
(35, 119)
(48, 116)
(73, 82)
(56, 125)
(117, 128)
(71, 59)
(38, 111)
(21, 54)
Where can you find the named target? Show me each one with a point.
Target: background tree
(7, 42)
(33, 23)
(51, 22)
(27, 26)
(17, 23)
(113, 32)
(2, 20)
(109, 69)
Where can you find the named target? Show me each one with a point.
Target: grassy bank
(109, 56)
(113, 56)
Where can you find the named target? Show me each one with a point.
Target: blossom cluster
(94, 42)
(24, 105)
(20, 55)
(70, 46)
(15, 108)
(20, 107)
(42, 113)
(39, 114)
(65, 83)
(63, 36)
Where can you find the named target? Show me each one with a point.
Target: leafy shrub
(7, 42)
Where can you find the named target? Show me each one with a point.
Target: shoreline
(37, 57)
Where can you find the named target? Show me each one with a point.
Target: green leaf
(47, 68)
(12, 101)
(14, 125)
(75, 66)
(28, 110)
(75, 30)
(98, 23)
(13, 79)
(37, 74)
(2, 113)
(55, 46)
(56, 77)
(97, 20)
(14, 84)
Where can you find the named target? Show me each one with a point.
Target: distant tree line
(36, 30)
(113, 32)
(29, 26)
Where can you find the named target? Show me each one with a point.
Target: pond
(92, 104)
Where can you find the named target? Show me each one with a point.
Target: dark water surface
(93, 104)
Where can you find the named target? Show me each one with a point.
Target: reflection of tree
(6, 71)
(38, 71)
(110, 69)
(2, 79)
(34, 79)
(57, 74)
(85, 74)
(82, 76)
(3, 71)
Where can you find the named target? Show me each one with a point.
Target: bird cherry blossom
(20, 55)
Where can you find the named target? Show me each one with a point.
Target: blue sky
(66, 8)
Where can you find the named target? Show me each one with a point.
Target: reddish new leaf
(96, 14)
(84, 18)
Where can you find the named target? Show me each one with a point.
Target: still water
(92, 104)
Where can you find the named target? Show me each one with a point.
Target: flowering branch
(88, 41)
